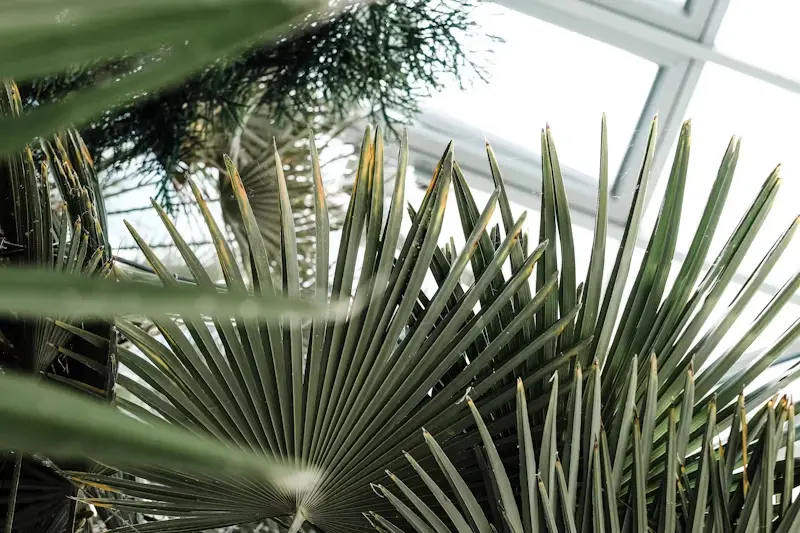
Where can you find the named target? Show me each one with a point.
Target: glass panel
(545, 73)
(765, 117)
(763, 33)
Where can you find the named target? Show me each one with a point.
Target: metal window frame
(669, 96)
(521, 166)
(687, 18)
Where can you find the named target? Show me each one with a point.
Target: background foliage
(380, 58)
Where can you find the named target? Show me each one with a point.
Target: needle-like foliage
(631, 438)
(380, 56)
(341, 396)
(167, 41)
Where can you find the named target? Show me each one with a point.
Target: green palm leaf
(347, 396)
(69, 239)
(630, 481)
(61, 271)
(342, 395)
(250, 146)
(42, 337)
(715, 500)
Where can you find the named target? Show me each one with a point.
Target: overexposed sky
(544, 73)
(763, 34)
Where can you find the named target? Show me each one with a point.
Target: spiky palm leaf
(363, 388)
(54, 345)
(637, 397)
(654, 317)
(697, 485)
(34, 494)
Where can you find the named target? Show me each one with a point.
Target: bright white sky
(763, 34)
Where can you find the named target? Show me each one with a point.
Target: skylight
(543, 73)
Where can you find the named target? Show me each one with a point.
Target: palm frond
(721, 488)
(665, 392)
(70, 241)
(348, 396)
(39, 502)
(51, 345)
(343, 395)
(250, 147)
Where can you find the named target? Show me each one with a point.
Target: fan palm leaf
(349, 400)
(667, 320)
(54, 344)
(364, 387)
(250, 145)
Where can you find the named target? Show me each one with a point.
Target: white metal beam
(670, 97)
(626, 32)
(684, 18)
(682, 97)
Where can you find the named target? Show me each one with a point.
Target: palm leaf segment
(637, 445)
(67, 239)
(361, 390)
(642, 475)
